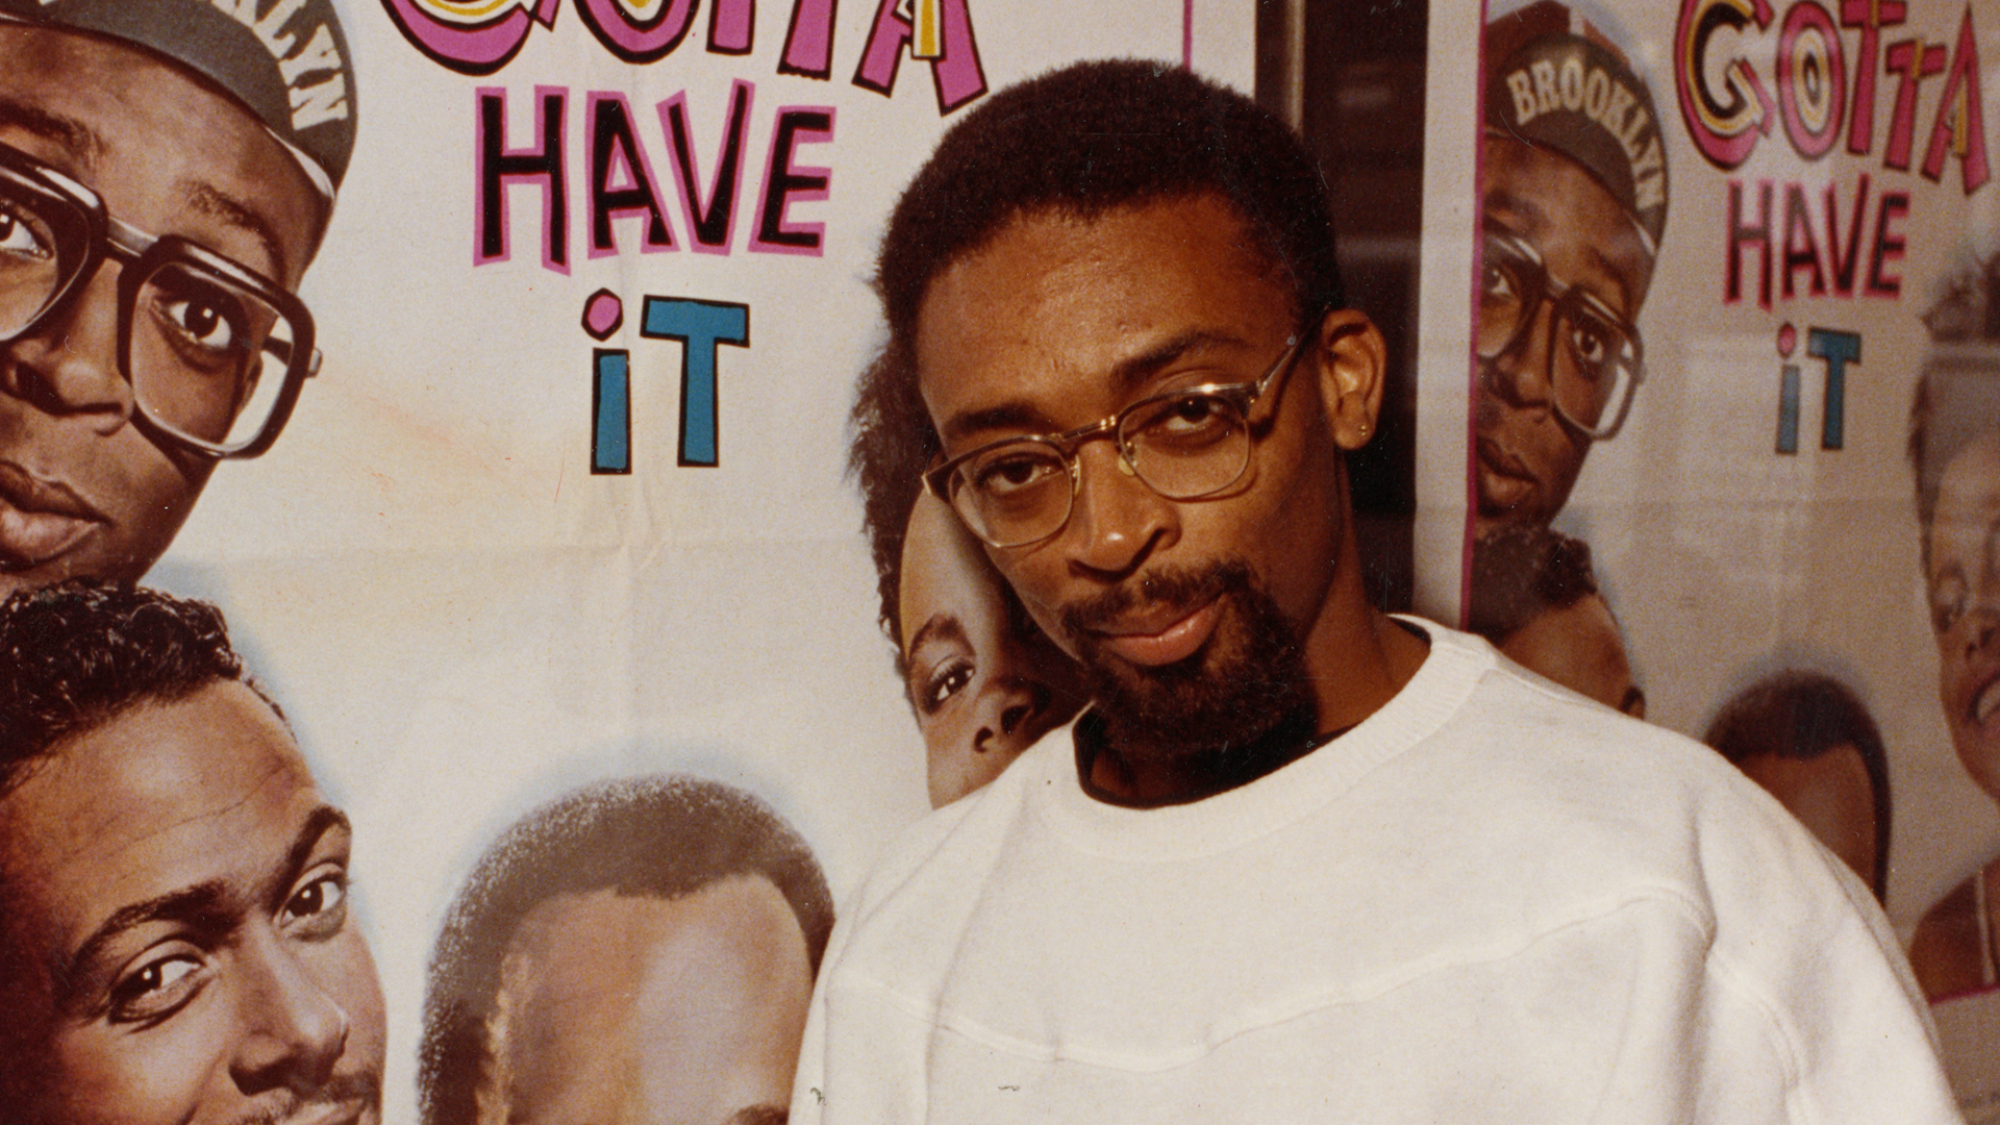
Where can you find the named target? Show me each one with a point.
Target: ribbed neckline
(1235, 817)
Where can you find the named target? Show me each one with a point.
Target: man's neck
(1118, 771)
(1365, 669)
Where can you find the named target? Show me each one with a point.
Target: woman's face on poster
(1964, 584)
(984, 685)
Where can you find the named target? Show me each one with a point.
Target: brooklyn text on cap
(286, 61)
(1560, 86)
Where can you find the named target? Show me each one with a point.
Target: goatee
(1239, 700)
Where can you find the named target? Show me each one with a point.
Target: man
(176, 944)
(1539, 605)
(167, 169)
(1299, 861)
(640, 951)
(1573, 203)
(1810, 742)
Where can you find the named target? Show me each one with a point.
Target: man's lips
(1163, 637)
(1504, 479)
(347, 1100)
(39, 519)
(1495, 459)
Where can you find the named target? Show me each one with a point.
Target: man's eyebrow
(759, 1115)
(1510, 200)
(203, 906)
(1127, 375)
(322, 820)
(212, 201)
(83, 143)
(1533, 209)
(1132, 373)
(1006, 416)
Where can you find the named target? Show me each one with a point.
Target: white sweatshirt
(1492, 901)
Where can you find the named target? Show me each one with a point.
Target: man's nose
(69, 364)
(293, 1030)
(1116, 521)
(1523, 375)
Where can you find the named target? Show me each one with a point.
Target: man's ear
(1351, 361)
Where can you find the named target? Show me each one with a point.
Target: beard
(1238, 701)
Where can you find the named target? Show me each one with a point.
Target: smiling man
(1299, 861)
(176, 943)
(167, 169)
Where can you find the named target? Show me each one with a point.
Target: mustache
(1176, 587)
(363, 1090)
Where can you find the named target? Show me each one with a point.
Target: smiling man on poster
(167, 170)
(1300, 861)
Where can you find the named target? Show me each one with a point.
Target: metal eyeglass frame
(86, 233)
(1240, 396)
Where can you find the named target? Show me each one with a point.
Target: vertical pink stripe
(1472, 356)
(1187, 34)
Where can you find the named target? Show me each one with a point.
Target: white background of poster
(460, 619)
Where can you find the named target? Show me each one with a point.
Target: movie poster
(563, 511)
(536, 327)
(1733, 347)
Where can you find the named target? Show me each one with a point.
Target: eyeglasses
(1596, 357)
(1183, 444)
(215, 352)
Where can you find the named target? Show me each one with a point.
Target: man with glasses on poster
(1298, 860)
(167, 170)
(1573, 204)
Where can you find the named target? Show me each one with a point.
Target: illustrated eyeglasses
(1597, 359)
(215, 352)
(1183, 444)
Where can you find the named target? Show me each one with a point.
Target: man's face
(633, 1010)
(984, 688)
(1058, 322)
(1965, 606)
(84, 491)
(177, 912)
(1528, 455)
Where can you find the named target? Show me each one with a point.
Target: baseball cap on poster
(286, 61)
(1558, 76)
